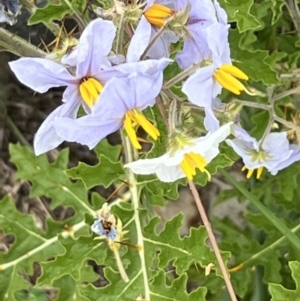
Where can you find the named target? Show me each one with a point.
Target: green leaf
(287, 181)
(29, 246)
(162, 292)
(265, 211)
(279, 293)
(73, 261)
(170, 246)
(50, 13)
(49, 179)
(239, 11)
(57, 10)
(113, 152)
(252, 61)
(109, 169)
(105, 172)
(261, 120)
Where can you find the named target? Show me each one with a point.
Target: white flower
(183, 162)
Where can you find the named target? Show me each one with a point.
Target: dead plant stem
(212, 240)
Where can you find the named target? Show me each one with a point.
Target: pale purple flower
(273, 153)
(201, 87)
(168, 166)
(145, 32)
(119, 96)
(92, 64)
(42, 74)
(197, 46)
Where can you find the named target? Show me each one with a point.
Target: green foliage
(65, 257)
(280, 293)
(65, 250)
(239, 11)
(56, 11)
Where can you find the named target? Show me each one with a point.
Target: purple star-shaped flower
(83, 85)
(119, 96)
(273, 153)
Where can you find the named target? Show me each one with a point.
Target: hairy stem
(17, 132)
(293, 9)
(82, 24)
(182, 75)
(136, 216)
(18, 46)
(120, 35)
(212, 240)
(152, 42)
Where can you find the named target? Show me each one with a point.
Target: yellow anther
(234, 71)
(89, 89)
(128, 126)
(187, 168)
(158, 14)
(190, 162)
(135, 118)
(228, 82)
(149, 128)
(259, 172)
(251, 171)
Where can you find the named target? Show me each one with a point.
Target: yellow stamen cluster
(90, 89)
(157, 14)
(190, 162)
(251, 171)
(226, 76)
(135, 118)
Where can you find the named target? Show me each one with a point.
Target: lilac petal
(150, 67)
(139, 41)
(295, 156)
(161, 47)
(72, 93)
(276, 142)
(221, 14)
(203, 10)
(46, 137)
(179, 4)
(241, 134)
(195, 49)
(71, 57)
(218, 43)
(211, 123)
(199, 87)
(111, 104)
(41, 74)
(94, 45)
(123, 94)
(85, 130)
(242, 149)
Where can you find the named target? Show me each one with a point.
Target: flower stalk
(129, 151)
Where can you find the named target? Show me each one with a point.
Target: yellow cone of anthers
(226, 76)
(90, 89)
(135, 118)
(157, 14)
(251, 171)
(190, 162)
